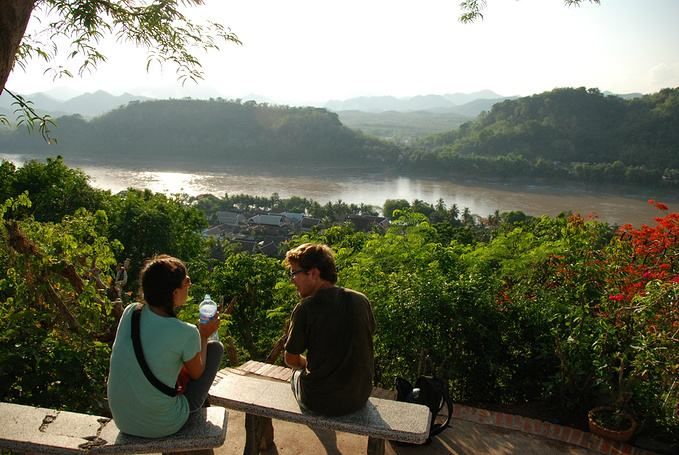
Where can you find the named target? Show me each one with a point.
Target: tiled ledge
(545, 429)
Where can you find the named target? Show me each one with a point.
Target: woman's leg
(197, 391)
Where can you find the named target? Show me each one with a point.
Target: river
(374, 188)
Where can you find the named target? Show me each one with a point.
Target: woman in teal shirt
(168, 344)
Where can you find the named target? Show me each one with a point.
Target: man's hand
(296, 361)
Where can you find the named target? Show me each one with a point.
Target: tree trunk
(14, 16)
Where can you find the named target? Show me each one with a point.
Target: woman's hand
(196, 365)
(209, 327)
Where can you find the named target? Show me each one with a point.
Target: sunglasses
(292, 273)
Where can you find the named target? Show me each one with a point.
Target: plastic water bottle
(207, 310)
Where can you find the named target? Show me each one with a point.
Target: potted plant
(611, 423)
(617, 374)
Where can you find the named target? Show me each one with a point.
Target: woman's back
(139, 408)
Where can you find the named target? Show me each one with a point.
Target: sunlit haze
(308, 52)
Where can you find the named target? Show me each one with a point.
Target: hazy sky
(310, 51)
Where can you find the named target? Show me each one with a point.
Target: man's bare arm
(296, 361)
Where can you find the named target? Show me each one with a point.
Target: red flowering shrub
(604, 305)
(638, 319)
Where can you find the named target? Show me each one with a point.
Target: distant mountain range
(88, 104)
(432, 103)
(625, 96)
(100, 102)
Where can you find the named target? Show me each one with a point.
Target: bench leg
(266, 441)
(258, 434)
(375, 446)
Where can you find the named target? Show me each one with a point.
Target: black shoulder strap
(438, 428)
(434, 394)
(139, 353)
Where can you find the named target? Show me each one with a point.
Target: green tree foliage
(329, 212)
(508, 309)
(148, 223)
(55, 319)
(525, 309)
(567, 134)
(261, 296)
(56, 267)
(472, 10)
(161, 26)
(55, 189)
(394, 204)
(208, 132)
(139, 223)
(210, 204)
(7, 170)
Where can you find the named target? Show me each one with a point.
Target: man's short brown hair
(314, 255)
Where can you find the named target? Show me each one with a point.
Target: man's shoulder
(333, 293)
(319, 301)
(356, 295)
(353, 292)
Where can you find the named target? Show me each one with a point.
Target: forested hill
(566, 134)
(205, 132)
(579, 133)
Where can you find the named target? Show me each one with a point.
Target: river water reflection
(357, 186)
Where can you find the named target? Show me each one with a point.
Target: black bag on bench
(431, 392)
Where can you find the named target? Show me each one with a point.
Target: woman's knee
(215, 350)
(215, 347)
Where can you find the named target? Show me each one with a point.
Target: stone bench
(262, 398)
(39, 430)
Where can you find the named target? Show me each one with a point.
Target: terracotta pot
(615, 435)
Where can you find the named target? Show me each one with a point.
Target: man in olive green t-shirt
(335, 327)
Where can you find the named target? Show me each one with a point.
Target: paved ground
(464, 438)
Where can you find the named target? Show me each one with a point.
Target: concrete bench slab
(379, 419)
(40, 430)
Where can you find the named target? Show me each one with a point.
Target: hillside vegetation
(566, 133)
(208, 132)
(402, 127)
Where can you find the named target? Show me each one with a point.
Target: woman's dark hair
(159, 277)
(314, 255)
